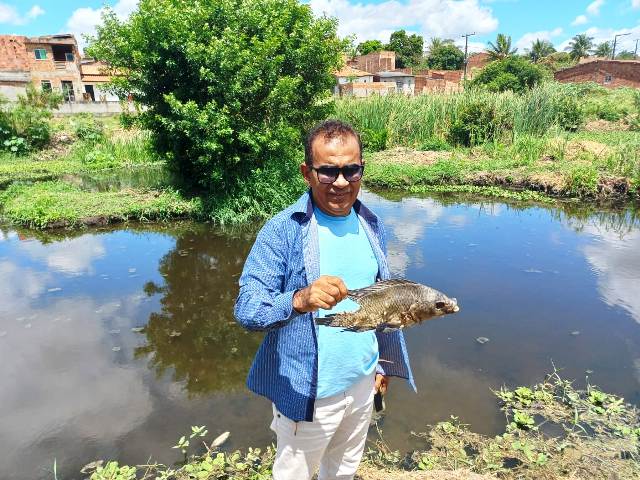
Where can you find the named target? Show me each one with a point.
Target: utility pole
(615, 38)
(635, 52)
(466, 43)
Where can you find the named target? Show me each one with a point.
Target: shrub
(32, 124)
(570, 115)
(87, 128)
(476, 123)
(373, 140)
(228, 86)
(512, 73)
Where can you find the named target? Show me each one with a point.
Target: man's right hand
(324, 293)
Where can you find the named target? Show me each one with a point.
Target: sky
(524, 20)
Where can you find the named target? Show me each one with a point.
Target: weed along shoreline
(551, 430)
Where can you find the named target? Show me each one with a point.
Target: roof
(62, 39)
(348, 71)
(393, 74)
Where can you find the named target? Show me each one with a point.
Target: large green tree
(625, 55)
(408, 48)
(445, 57)
(512, 73)
(370, 46)
(540, 49)
(580, 46)
(227, 86)
(502, 48)
(603, 50)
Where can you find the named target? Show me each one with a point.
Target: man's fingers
(337, 283)
(323, 300)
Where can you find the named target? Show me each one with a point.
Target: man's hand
(324, 293)
(382, 383)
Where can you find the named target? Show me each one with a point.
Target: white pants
(334, 440)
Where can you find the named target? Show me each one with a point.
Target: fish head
(435, 306)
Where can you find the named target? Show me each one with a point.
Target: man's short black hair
(329, 129)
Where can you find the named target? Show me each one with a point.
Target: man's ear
(305, 171)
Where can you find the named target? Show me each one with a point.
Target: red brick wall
(623, 73)
(377, 62)
(13, 54)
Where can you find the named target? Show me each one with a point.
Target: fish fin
(378, 287)
(326, 321)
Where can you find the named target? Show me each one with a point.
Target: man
(321, 380)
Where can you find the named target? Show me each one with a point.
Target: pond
(113, 342)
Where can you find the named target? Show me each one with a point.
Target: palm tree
(437, 42)
(603, 50)
(540, 49)
(502, 48)
(579, 46)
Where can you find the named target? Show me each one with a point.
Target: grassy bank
(552, 430)
(583, 165)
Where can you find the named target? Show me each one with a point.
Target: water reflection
(195, 334)
(79, 384)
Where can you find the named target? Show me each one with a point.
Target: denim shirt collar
(303, 208)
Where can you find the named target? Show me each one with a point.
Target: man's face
(338, 197)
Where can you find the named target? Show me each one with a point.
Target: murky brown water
(78, 382)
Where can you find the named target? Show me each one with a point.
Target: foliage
(369, 46)
(512, 73)
(626, 55)
(540, 49)
(476, 123)
(437, 42)
(228, 86)
(111, 471)
(580, 46)
(445, 57)
(373, 140)
(87, 128)
(502, 48)
(408, 48)
(557, 61)
(571, 115)
(603, 50)
(48, 100)
(32, 124)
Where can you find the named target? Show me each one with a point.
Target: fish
(391, 305)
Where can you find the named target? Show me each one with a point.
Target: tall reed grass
(425, 119)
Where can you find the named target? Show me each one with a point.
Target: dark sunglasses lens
(352, 173)
(328, 174)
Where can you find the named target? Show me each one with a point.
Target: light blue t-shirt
(344, 357)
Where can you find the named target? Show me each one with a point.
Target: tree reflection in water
(195, 334)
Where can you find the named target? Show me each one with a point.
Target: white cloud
(35, 11)
(9, 14)
(594, 7)
(526, 40)
(83, 20)
(581, 20)
(635, 3)
(72, 256)
(430, 18)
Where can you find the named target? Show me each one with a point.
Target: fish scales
(390, 305)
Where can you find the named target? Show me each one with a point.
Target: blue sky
(524, 20)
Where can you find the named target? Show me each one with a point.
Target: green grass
(562, 165)
(55, 203)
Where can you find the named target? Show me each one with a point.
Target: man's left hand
(382, 383)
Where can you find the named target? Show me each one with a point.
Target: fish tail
(328, 321)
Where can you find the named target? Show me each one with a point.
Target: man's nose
(341, 182)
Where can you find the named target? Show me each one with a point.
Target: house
(349, 75)
(405, 82)
(95, 75)
(50, 62)
(384, 61)
(476, 62)
(608, 73)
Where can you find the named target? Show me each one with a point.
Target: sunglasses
(351, 173)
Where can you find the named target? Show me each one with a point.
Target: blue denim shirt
(283, 259)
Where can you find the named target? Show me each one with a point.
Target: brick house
(608, 73)
(384, 61)
(50, 62)
(95, 75)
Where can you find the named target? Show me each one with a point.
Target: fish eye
(440, 305)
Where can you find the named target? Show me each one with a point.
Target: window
(46, 85)
(607, 78)
(67, 91)
(68, 57)
(41, 53)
